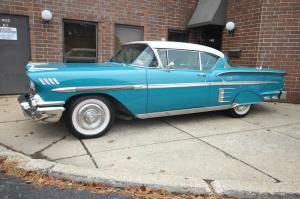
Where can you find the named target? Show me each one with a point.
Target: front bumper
(37, 113)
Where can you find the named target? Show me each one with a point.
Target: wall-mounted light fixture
(46, 16)
(230, 26)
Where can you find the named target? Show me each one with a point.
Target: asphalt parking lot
(260, 151)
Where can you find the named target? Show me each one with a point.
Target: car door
(181, 85)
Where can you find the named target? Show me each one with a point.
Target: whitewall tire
(239, 111)
(89, 116)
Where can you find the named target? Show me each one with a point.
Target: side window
(208, 61)
(162, 53)
(184, 59)
(146, 58)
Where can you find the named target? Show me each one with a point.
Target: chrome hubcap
(90, 116)
(242, 109)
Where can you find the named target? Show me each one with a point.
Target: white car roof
(181, 46)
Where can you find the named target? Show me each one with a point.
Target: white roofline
(181, 46)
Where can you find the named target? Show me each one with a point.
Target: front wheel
(239, 111)
(89, 116)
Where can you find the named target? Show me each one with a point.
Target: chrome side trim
(224, 94)
(157, 86)
(49, 81)
(182, 112)
(177, 85)
(249, 71)
(233, 83)
(98, 88)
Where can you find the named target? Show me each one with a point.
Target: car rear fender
(247, 97)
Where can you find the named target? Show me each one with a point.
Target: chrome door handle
(201, 74)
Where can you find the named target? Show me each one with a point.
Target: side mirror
(171, 65)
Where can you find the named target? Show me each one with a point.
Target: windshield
(136, 54)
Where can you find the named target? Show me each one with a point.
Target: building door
(179, 36)
(212, 37)
(14, 53)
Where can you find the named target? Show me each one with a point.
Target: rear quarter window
(208, 61)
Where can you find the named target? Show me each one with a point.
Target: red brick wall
(157, 16)
(279, 41)
(246, 14)
(268, 32)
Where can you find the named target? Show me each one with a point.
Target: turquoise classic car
(144, 80)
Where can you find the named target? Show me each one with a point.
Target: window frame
(79, 21)
(211, 68)
(156, 56)
(126, 26)
(167, 52)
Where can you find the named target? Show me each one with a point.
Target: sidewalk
(202, 153)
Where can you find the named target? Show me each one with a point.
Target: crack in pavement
(68, 157)
(2, 122)
(226, 153)
(281, 133)
(249, 130)
(89, 153)
(210, 186)
(10, 148)
(39, 155)
(142, 145)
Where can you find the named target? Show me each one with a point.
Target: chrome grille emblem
(48, 81)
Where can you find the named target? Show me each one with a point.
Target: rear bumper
(45, 113)
(275, 96)
(283, 95)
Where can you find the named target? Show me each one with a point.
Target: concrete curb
(239, 189)
(256, 189)
(90, 175)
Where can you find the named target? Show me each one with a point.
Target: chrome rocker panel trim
(45, 114)
(184, 111)
(157, 86)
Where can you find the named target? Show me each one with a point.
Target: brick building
(267, 32)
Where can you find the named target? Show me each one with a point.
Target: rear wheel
(239, 111)
(89, 116)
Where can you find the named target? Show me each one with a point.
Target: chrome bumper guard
(45, 114)
(275, 97)
(283, 95)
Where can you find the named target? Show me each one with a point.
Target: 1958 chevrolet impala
(146, 79)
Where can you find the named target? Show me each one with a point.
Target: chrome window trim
(200, 61)
(182, 111)
(215, 65)
(158, 86)
(167, 51)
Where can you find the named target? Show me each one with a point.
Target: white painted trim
(181, 46)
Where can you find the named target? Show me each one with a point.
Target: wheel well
(119, 107)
